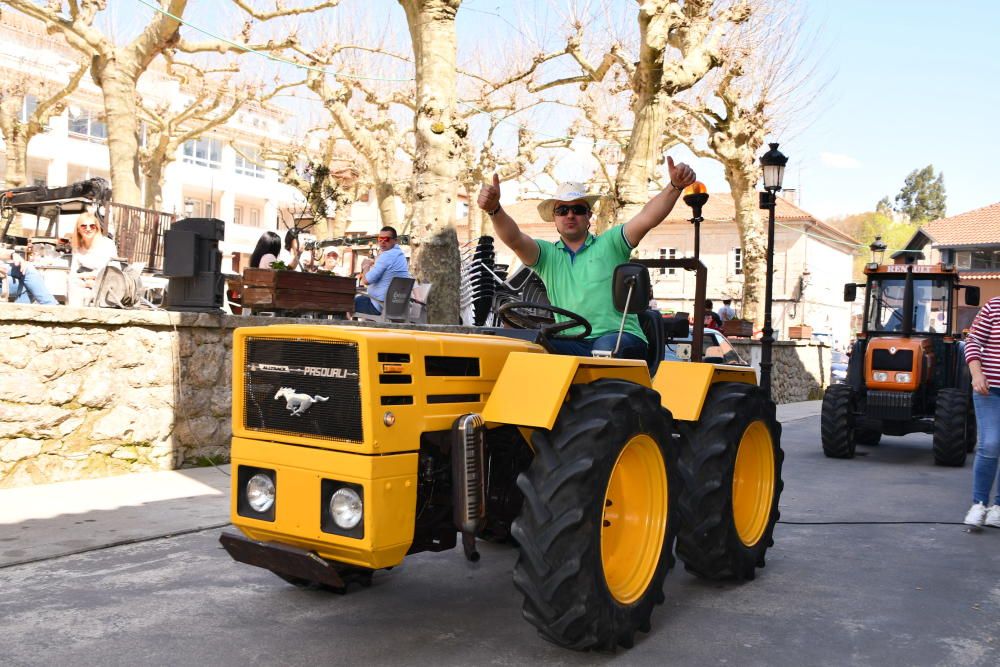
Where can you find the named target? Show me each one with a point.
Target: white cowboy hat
(566, 192)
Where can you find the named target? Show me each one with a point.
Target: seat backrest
(397, 300)
(418, 302)
(652, 326)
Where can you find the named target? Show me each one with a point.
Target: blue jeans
(632, 347)
(29, 287)
(984, 470)
(364, 304)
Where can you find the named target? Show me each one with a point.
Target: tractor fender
(683, 385)
(531, 388)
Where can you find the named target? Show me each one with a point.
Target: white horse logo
(298, 403)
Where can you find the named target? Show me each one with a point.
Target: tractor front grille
(894, 405)
(884, 360)
(303, 387)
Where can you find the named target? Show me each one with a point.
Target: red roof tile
(977, 227)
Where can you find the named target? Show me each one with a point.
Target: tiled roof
(976, 227)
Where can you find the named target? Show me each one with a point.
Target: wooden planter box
(800, 331)
(264, 289)
(737, 328)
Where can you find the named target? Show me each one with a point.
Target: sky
(902, 84)
(910, 83)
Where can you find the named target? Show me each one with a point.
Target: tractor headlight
(880, 376)
(904, 377)
(260, 492)
(346, 507)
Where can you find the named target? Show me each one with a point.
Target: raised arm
(506, 228)
(658, 208)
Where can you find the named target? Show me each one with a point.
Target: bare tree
(731, 117)
(19, 125)
(325, 175)
(201, 104)
(679, 43)
(117, 68)
(367, 123)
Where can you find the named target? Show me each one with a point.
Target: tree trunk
(439, 136)
(16, 154)
(753, 241)
(121, 116)
(388, 200)
(155, 172)
(632, 183)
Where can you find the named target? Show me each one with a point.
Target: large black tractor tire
(837, 430)
(730, 467)
(596, 530)
(953, 428)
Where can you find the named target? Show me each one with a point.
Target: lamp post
(773, 165)
(696, 196)
(878, 248)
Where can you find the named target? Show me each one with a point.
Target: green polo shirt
(581, 282)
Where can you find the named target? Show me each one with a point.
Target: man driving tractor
(577, 270)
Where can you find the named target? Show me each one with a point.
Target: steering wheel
(511, 314)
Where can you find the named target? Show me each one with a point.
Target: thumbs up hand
(681, 175)
(489, 195)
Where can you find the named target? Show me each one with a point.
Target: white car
(716, 349)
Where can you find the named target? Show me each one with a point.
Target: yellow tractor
(354, 447)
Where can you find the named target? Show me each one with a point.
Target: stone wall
(800, 369)
(88, 392)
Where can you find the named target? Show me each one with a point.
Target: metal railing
(139, 233)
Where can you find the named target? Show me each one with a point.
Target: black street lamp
(773, 164)
(696, 196)
(878, 248)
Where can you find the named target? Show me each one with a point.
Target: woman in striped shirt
(982, 352)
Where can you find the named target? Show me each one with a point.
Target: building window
(238, 215)
(985, 260)
(738, 261)
(204, 152)
(87, 125)
(28, 107)
(254, 217)
(208, 209)
(249, 162)
(668, 253)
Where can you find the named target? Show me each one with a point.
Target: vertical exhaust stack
(468, 485)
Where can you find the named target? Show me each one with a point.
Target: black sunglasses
(579, 209)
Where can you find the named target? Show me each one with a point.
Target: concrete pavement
(52, 520)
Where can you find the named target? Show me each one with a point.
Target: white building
(217, 175)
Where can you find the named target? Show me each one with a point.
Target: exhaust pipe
(468, 484)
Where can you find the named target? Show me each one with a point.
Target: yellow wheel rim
(635, 519)
(753, 483)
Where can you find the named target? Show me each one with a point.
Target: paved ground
(870, 567)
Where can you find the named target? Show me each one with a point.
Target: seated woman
(92, 251)
(266, 252)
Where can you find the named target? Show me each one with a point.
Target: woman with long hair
(266, 252)
(291, 254)
(92, 251)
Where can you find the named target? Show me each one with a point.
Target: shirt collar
(586, 244)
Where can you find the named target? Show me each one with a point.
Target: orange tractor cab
(907, 372)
